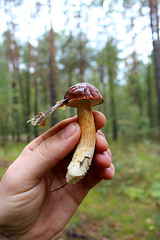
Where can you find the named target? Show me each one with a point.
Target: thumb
(50, 152)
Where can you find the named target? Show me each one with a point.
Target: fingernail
(99, 133)
(109, 152)
(111, 169)
(68, 131)
(107, 155)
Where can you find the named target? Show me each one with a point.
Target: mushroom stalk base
(84, 152)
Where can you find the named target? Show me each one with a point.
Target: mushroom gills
(82, 157)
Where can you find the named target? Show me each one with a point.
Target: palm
(60, 204)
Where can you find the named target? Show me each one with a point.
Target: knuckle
(43, 149)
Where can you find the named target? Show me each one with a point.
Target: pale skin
(28, 208)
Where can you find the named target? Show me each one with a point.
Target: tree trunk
(19, 78)
(81, 51)
(156, 51)
(113, 105)
(15, 113)
(156, 47)
(135, 84)
(70, 69)
(36, 86)
(149, 97)
(52, 65)
(28, 110)
(113, 110)
(111, 59)
(81, 64)
(15, 98)
(53, 74)
(101, 77)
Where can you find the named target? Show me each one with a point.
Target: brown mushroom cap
(81, 92)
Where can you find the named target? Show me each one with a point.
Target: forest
(46, 46)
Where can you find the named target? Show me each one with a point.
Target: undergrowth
(128, 206)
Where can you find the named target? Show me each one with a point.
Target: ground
(125, 208)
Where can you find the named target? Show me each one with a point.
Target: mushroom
(81, 96)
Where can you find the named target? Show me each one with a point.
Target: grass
(8, 153)
(11, 150)
(127, 207)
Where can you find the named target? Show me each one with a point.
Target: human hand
(28, 210)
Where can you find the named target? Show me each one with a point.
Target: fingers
(101, 142)
(106, 173)
(103, 158)
(102, 169)
(103, 165)
(49, 152)
(100, 120)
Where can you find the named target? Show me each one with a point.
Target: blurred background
(45, 47)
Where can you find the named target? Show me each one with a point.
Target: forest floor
(125, 208)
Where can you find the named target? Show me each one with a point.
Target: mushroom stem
(83, 154)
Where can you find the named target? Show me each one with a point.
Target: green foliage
(127, 92)
(135, 193)
(5, 97)
(111, 57)
(129, 3)
(97, 3)
(127, 206)
(2, 172)
(11, 150)
(154, 192)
